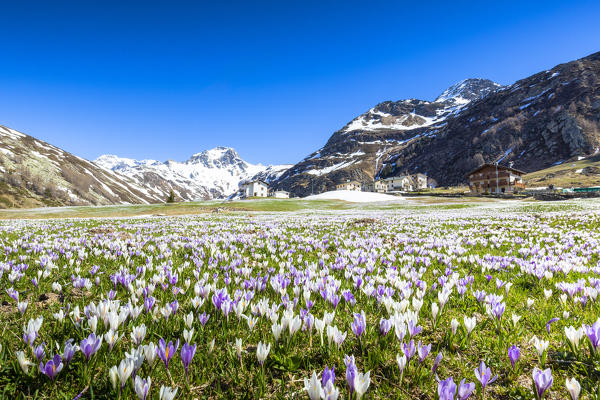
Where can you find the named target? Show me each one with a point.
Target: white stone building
(255, 189)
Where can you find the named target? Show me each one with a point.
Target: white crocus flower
(313, 387)
(150, 353)
(189, 320)
(113, 374)
(24, 363)
(515, 319)
(167, 393)
(469, 324)
(276, 329)
(361, 383)
(454, 326)
(262, 351)
(573, 387)
(125, 369)
(188, 334)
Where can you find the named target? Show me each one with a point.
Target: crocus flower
(69, 352)
(142, 387)
(361, 383)
(484, 375)
(23, 361)
(542, 381)
(446, 389)
(465, 390)
(513, 355)
(409, 349)
(359, 325)
(39, 352)
(470, 324)
(262, 351)
(313, 387)
(573, 387)
(52, 367)
(384, 326)
(165, 352)
(436, 363)
(328, 375)
(150, 352)
(593, 334)
(351, 372)
(187, 353)
(124, 371)
(423, 351)
(167, 393)
(90, 345)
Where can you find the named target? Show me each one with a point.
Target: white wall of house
(281, 194)
(255, 189)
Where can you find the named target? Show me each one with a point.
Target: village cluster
(487, 178)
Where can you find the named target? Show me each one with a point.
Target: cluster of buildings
(402, 183)
(487, 178)
(258, 188)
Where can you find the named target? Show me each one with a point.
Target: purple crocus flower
(593, 334)
(166, 352)
(69, 352)
(409, 350)
(90, 345)
(423, 351)
(542, 380)
(436, 363)
(52, 367)
(187, 353)
(465, 390)
(413, 328)
(384, 326)
(203, 318)
(484, 375)
(513, 354)
(553, 320)
(446, 389)
(351, 372)
(328, 376)
(359, 325)
(498, 310)
(39, 352)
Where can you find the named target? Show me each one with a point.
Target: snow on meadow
(442, 304)
(354, 196)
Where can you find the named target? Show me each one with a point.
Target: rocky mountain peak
(468, 90)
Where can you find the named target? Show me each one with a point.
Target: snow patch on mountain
(411, 114)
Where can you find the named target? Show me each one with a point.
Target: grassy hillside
(579, 173)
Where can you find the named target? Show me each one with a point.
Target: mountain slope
(543, 119)
(34, 172)
(214, 173)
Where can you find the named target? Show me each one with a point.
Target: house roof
(500, 167)
(256, 181)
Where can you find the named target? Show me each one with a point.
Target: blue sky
(274, 80)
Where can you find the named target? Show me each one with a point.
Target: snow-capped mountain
(214, 173)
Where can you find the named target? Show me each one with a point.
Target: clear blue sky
(274, 80)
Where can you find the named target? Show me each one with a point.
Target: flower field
(392, 304)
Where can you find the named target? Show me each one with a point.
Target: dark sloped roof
(500, 167)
